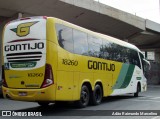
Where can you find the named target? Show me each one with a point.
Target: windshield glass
(145, 64)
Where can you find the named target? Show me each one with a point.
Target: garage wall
(153, 75)
(1, 30)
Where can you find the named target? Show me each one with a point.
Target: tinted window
(125, 55)
(80, 42)
(118, 53)
(134, 58)
(112, 51)
(121, 54)
(95, 46)
(64, 35)
(106, 49)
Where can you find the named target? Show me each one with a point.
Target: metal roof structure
(90, 14)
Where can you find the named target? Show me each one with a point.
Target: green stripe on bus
(128, 76)
(121, 76)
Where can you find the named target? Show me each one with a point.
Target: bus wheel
(97, 95)
(43, 104)
(136, 94)
(84, 97)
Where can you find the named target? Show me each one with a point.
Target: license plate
(22, 93)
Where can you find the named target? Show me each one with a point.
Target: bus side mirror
(147, 65)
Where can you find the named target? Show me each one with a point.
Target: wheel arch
(88, 84)
(139, 84)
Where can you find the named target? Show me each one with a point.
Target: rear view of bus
(25, 73)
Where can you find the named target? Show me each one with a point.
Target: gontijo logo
(23, 29)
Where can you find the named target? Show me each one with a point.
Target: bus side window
(80, 42)
(122, 55)
(106, 52)
(65, 38)
(95, 47)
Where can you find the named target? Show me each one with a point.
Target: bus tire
(84, 97)
(43, 104)
(136, 94)
(97, 95)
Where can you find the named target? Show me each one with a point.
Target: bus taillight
(48, 78)
(3, 78)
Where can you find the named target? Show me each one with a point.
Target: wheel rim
(98, 95)
(84, 97)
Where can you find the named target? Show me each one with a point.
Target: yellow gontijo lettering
(23, 29)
